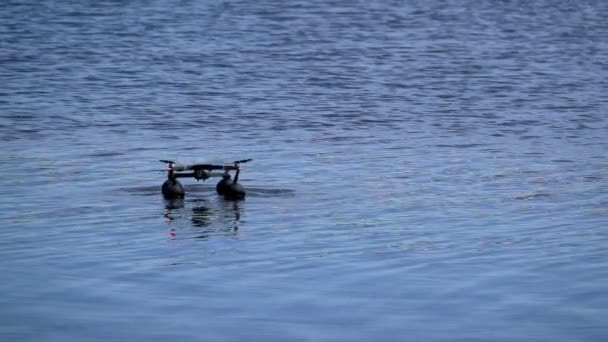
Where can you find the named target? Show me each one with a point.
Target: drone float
(227, 187)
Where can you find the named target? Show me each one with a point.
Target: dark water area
(423, 170)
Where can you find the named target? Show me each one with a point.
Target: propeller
(242, 161)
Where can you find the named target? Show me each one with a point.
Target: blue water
(423, 170)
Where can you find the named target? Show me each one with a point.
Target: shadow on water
(210, 188)
(202, 218)
(252, 191)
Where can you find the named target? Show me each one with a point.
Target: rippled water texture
(423, 170)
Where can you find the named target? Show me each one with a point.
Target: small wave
(459, 145)
(531, 196)
(105, 154)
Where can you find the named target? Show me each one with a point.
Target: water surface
(422, 170)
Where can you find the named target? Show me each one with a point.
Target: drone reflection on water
(201, 218)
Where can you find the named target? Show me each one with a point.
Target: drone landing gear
(173, 189)
(229, 188)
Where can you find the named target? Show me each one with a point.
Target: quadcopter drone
(227, 187)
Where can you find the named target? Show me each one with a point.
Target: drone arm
(184, 175)
(193, 174)
(207, 167)
(238, 170)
